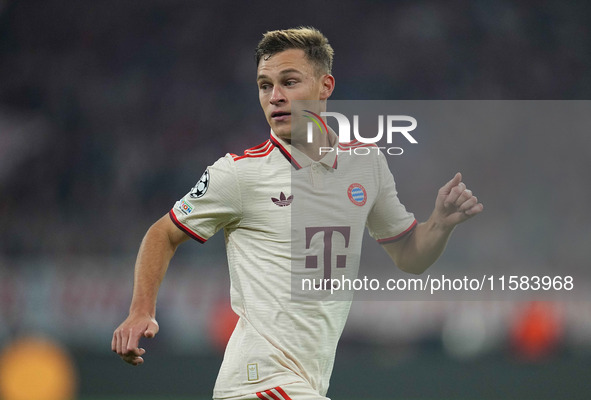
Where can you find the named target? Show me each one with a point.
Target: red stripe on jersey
(285, 153)
(260, 150)
(264, 153)
(252, 149)
(271, 394)
(282, 393)
(258, 146)
(351, 143)
(354, 144)
(400, 235)
(184, 228)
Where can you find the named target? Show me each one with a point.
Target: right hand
(455, 203)
(127, 336)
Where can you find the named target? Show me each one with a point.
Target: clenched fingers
(468, 204)
(134, 356)
(474, 209)
(454, 194)
(465, 196)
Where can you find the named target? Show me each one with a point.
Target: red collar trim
(285, 152)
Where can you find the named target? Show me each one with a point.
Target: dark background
(111, 110)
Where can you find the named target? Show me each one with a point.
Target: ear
(327, 86)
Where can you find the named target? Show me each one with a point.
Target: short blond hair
(305, 38)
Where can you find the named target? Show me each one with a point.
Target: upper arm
(388, 220)
(214, 203)
(175, 235)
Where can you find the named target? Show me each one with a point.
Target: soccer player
(283, 348)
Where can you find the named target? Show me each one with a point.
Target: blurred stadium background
(110, 111)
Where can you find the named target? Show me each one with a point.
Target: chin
(284, 135)
(283, 132)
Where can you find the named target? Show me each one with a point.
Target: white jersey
(273, 226)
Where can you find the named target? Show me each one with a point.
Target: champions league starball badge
(201, 186)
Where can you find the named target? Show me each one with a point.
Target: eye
(264, 86)
(291, 82)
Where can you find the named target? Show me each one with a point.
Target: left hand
(455, 203)
(127, 336)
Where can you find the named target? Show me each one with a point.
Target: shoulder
(259, 151)
(354, 144)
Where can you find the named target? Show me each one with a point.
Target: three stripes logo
(357, 194)
(273, 394)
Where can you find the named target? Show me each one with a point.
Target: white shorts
(292, 391)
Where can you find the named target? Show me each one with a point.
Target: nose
(277, 96)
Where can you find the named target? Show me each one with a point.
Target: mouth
(280, 115)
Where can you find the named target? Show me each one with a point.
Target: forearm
(155, 253)
(421, 248)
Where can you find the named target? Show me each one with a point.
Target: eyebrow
(284, 72)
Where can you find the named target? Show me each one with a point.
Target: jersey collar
(300, 160)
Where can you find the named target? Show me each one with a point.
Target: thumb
(151, 330)
(452, 183)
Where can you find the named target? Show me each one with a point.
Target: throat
(312, 150)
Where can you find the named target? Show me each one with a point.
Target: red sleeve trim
(400, 235)
(185, 229)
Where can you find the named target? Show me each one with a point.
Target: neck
(312, 149)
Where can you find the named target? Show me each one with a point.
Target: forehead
(287, 59)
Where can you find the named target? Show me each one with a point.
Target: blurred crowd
(110, 111)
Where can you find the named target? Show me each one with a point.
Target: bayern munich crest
(201, 186)
(357, 194)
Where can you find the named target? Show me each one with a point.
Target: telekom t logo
(345, 127)
(312, 261)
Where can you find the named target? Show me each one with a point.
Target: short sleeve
(213, 203)
(388, 219)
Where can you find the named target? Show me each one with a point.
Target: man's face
(283, 78)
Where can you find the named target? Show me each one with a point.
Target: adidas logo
(282, 201)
